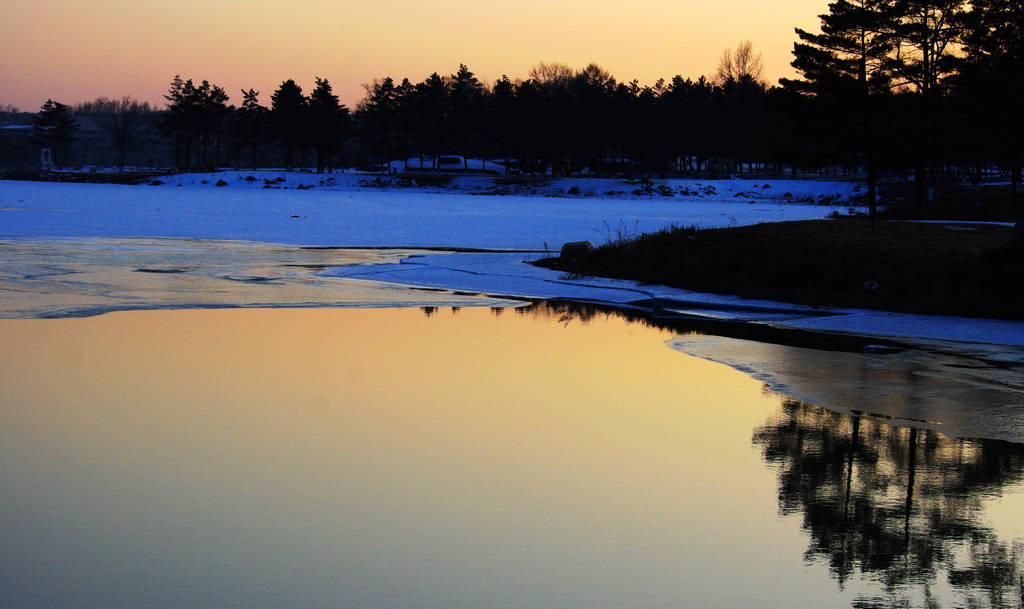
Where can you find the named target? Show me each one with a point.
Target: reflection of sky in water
(484, 458)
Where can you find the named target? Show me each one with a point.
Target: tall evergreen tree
(197, 115)
(251, 124)
(289, 118)
(405, 109)
(378, 118)
(592, 89)
(431, 108)
(926, 35)
(466, 97)
(500, 124)
(55, 128)
(329, 122)
(846, 70)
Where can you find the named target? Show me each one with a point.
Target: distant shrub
(574, 190)
(221, 183)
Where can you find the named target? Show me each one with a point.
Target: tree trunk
(920, 190)
(1017, 242)
(872, 197)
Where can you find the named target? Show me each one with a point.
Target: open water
(475, 457)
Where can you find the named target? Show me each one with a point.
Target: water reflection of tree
(898, 505)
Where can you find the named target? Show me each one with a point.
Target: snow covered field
(352, 209)
(296, 209)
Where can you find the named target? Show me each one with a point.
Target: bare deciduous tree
(119, 118)
(552, 76)
(735, 65)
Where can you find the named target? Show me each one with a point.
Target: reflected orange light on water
(452, 459)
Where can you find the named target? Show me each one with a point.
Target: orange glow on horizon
(77, 51)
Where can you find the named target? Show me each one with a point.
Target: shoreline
(111, 274)
(812, 350)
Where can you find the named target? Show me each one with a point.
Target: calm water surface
(465, 458)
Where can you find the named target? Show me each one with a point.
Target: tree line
(921, 87)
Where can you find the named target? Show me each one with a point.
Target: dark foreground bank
(944, 268)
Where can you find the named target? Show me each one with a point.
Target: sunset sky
(77, 50)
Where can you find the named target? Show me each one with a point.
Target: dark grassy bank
(84, 177)
(948, 268)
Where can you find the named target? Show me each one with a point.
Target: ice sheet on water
(955, 394)
(81, 277)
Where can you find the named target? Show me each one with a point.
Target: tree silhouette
(899, 505)
(739, 64)
(329, 121)
(197, 116)
(467, 99)
(992, 83)
(54, 127)
(430, 106)
(846, 70)
(120, 118)
(378, 117)
(251, 124)
(925, 34)
(289, 118)
(500, 120)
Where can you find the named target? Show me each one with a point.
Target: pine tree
(405, 111)
(432, 115)
(927, 34)
(55, 128)
(329, 123)
(466, 95)
(846, 68)
(251, 124)
(500, 119)
(289, 118)
(378, 117)
(197, 116)
(592, 89)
